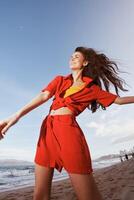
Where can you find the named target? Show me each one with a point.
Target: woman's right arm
(35, 102)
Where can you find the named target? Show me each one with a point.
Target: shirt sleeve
(51, 87)
(104, 97)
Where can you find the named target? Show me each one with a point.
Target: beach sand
(115, 183)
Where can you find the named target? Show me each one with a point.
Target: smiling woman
(77, 60)
(61, 141)
(99, 67)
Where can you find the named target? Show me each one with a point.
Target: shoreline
(28, 186)
(114, 182)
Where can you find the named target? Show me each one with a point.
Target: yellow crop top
(72, 90)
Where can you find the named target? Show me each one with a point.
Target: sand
(115, 183)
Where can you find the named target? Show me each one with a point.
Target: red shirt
(78, 101)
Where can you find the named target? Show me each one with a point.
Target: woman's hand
(6, 124)
(34, 103)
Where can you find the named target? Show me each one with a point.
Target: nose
(72, 59)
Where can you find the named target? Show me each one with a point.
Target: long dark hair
(100, 67)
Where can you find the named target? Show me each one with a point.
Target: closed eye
(75, 57)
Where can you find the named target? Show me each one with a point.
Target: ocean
(18, 176)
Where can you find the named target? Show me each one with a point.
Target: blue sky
(37, 39)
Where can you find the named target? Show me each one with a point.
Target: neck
(77, 76)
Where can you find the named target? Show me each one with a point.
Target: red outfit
(62, 142)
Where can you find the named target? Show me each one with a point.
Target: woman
(61, 142)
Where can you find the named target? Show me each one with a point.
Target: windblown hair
(100, 67)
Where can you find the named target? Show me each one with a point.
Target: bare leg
(85, 186)
(43, 182)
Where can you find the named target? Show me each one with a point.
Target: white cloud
(123, 139)
(16, 153)
(93, 124)
(115, 125)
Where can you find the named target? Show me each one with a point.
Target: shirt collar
(86, 79)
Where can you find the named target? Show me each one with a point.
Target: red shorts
(62, 144)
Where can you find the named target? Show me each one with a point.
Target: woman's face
(77, 60)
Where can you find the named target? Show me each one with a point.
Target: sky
(37, 39)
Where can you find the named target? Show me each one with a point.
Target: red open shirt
(78, 101)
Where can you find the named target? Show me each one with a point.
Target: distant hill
(107, 157)
(8, 162)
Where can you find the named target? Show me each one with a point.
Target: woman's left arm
(124, 100)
